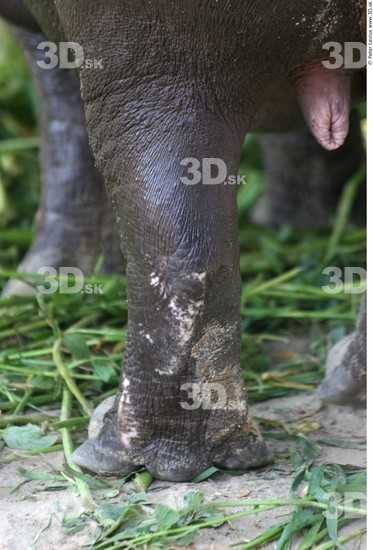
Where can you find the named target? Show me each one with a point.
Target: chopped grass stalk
(259, 507)
(21, 454)
(142, 481)
(17, 420)
(271, 534)
(276, 281)
(331, 544)
(65, 375)
(343, 211)
(68, 449)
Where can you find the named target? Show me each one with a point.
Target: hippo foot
(65, 249)
(340, 386)
(34, 260)
(177, 457)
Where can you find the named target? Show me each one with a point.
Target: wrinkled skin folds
(324, 96)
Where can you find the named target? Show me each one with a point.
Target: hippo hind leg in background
(75, 222)
(173, 88)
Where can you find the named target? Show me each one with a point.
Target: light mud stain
(125, 396)
(327, 21)
(128, 436)
(149, 338)
(155, 282)
(215, 339)
(185, 317)
(154, 279)
(213, 365)
(171, 369)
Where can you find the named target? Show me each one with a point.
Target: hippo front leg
(182, 405)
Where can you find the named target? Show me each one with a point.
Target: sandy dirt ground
(30, 518)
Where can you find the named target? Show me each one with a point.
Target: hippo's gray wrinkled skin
(180, 80)
(71, 230)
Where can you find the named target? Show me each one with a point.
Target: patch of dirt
(31, 516)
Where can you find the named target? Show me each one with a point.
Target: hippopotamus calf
(180, 82)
